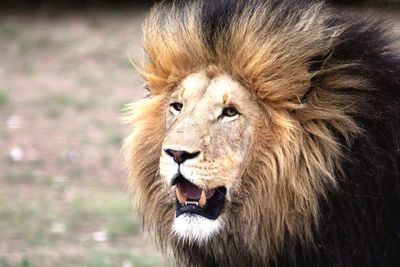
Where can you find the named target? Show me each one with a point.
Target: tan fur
(294, 157)
(221, 157)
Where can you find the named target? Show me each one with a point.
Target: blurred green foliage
(3, 98)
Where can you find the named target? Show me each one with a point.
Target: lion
(271, 136)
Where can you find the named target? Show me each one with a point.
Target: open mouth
(192, 199)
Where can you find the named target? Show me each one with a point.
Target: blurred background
(65, 74)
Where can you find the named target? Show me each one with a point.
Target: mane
(315, 73)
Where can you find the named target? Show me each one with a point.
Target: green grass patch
(111, 212)
(105, 160)
(5, 262)
(59, 100)
(7, 33)
(86, 104)
(4, 98)
(44, 42)
(101, 258)
(30, 221)
(56, 102)
(35, 44)
(4, 135)
(28, 69)
(26, 263)
(35, 221)
(147, 262)
(20, 176)
(53, 113)
(86, 80)
(115, 138)
(26, 174)
(25, 47)
(124, 63)
(75, 171)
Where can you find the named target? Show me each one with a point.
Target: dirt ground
(63, 82)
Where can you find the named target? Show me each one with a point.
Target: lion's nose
(180, 156)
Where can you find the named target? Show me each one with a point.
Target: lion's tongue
(185, 190)
(189, 190)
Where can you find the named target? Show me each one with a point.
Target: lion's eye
(229, 112)
(175, 108)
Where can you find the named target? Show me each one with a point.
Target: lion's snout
(180, 156)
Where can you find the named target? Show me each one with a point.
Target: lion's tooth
(181, 198)
(203, 199)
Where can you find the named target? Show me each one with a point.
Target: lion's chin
(195, 228)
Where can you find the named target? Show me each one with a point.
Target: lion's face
(209, 131)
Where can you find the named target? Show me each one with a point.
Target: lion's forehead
(199, 90)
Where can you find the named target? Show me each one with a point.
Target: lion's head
(238, 142)
(209, 130)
